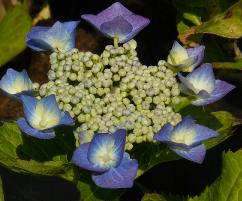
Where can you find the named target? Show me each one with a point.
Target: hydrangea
(113, 100)
(105, 156)
(186, 138)
(59, 37)
(113, 90)
(15, 83)
(42, 116)
(117, 22)
(181, 59)
(201, 83)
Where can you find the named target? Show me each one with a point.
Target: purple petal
(115, 10)
(80, 159)
(200, 79)
(195, 154)
(118, 21)
(26, 128)
(116, 27)
(186, 124)
(198, 53)
(29, 105)
(15, 83)
(59, 37)
(66, 119)
(204, 133)
(120, 177)
(222, 88)
(185, 86)
(50, 104)
(104, 152)
(164, 134)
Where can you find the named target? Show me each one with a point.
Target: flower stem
(115, 42)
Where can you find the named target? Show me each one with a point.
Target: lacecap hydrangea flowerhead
(113, 100)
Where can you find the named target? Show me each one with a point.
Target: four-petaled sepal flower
(105, 157)
(58, 38)
(201, 83)
(15, 83)
(42, 116)
(117, 21)
(186, 138)
(181, 59)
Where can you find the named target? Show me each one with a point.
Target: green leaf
(90, 192)
(151, 154)
(228, 65)
(13, 29)
(24, 154)
(227, 24)
(153, 197)
(1, 191)
(228, 187)
(161, 197)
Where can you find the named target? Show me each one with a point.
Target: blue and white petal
(41, 114)
(165, 133)
(202, 79)
(177, 54)
(15, 83)
(198, 54)
(184, 133)
(195, 154)
(103, 151)
(66, 119)
(203, 133)
(27, 129)
(222, 88)
(80, 159)
(120, 177)
(59, 37)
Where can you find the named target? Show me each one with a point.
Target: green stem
(115, 42)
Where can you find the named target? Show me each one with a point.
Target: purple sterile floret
(14, 84)
(26, 128)
(182, 59)
(59, 37)
(118, 177)
(198, 54)
(42, 116)
(201, 84)
(117, 21)
(186, 138)
(105, 156)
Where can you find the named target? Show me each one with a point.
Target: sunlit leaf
(228, 187)
(13, 29)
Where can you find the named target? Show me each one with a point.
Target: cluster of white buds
(113, 90)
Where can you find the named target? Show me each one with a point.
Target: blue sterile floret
(105, 157)
(58, 38)
(15, 83)
(186, 139)
(117, 21)
(42, 116)
(181, 59)
(201, 83)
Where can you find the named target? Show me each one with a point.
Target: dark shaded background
(178, 177)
